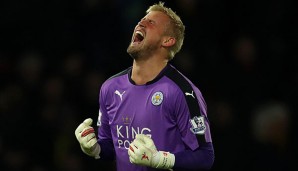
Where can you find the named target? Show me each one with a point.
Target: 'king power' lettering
(124, 133)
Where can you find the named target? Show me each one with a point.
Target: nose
(142, 23)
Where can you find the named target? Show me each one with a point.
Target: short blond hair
(177, 29)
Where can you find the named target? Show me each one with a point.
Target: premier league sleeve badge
(198, 125)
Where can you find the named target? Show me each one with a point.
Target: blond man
(151, 116)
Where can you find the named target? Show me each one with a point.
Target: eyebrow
(150, 20)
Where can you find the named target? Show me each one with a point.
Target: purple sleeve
(107, 150)
(104, 131)
(201, 158)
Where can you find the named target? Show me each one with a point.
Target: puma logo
(119, 94)
(190, 94)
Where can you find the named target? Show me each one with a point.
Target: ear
(168, 41)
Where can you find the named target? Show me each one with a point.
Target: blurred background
(54, 56)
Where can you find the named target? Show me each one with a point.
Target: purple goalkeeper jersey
(170, 109)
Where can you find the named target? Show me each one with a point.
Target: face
(148, 35)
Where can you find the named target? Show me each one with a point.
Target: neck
(144, 71)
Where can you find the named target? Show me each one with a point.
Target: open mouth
(139, 37)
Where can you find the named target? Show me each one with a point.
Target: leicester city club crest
(157, 98)
(198, 125)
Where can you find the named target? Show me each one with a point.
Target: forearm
(107, 150)
(202, 158)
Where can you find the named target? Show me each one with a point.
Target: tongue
(138, 38)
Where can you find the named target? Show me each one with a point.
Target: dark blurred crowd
(54, 56)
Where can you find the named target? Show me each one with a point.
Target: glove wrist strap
(166, 160)
(94, 151)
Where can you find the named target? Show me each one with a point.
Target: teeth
(140, 33)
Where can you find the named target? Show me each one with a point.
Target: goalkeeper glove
(87, 139)
(142, 151)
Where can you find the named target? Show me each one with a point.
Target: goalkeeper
(151, 116)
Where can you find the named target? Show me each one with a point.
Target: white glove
(142, 151)
(87, 138)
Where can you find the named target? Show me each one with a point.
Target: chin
(134, 55)
(133, 52)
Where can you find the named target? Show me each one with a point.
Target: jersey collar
(161, 74)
